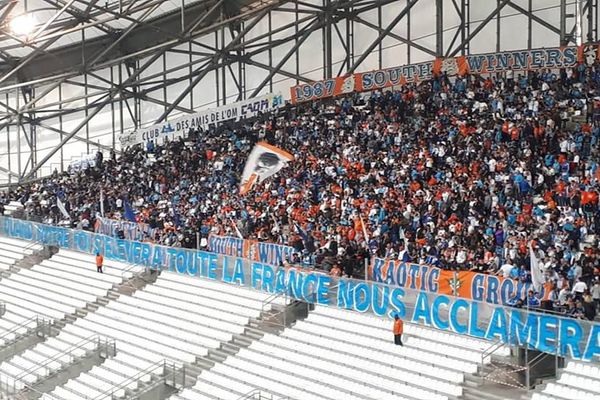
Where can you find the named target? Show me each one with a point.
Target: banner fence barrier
(553, 334)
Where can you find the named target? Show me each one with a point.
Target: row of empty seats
(12, 208)
(177, 318)
(577, 380)
(12, 251)
(337, 354)
(52, 289)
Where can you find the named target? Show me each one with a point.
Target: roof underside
(83, 34)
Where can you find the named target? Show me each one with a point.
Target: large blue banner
(564, 336)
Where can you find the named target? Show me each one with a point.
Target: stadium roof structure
(63, 63)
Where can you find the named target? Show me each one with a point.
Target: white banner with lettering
(203, 119)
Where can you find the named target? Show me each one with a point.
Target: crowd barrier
(553, 334)
(466, 284)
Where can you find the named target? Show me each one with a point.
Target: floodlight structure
(92, 69)
(22, 25)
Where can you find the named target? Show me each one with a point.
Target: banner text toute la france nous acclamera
(548, 333)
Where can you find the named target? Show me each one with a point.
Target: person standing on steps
(99, 262)
(398, 330)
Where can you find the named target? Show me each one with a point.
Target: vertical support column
(182, 16)
(242, 67)
(137, 102)
(380, 45)
(85, 88)
(223, 67)
(112, 110)
(121, 123)
(270, 52)
(87, 125)
(408, 35)
(60, 127)
(164, 63)
(8, 154)
(439, 28)
(498, 27)
(349, 59)
(190, 70)
(563, 22)
(297, 53)
(219, 49)
(529, 23)
(20, 172)
(327, 52)
(32, 129)
(464, 21)
(590, 21)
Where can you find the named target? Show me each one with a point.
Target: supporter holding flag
(62, 207)
(537, 278)
(128, 212)
(101, 202)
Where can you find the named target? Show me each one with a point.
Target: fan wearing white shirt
(579, 288)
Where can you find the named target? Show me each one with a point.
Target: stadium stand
(336, 354)
(157, 324)
(331, 354)
(11, 252)
(55, 290)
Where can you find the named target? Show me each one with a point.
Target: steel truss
(220, 42)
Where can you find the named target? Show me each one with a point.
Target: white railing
(261, 394)
(169, 372)
(41, 325)
(22, 383)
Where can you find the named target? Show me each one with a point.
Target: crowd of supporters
(458, 174)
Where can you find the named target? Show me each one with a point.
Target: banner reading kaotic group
(521, 60)
(178, 127)
(466, 284)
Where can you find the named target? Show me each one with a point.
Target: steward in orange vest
(398, 330)
(99, 261)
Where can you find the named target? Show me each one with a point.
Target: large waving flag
(62, 208)
(537, 277)
(264, 161)
(101, 202)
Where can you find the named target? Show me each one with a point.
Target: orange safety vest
(398, 327)
(99, 260)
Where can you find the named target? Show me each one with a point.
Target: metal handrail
(31, 245)
(149, 370)
(23, 324)
(491, 349)
(10, 386)
(262, 395)
(79, 345)
(126, 281)
(271, 299)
